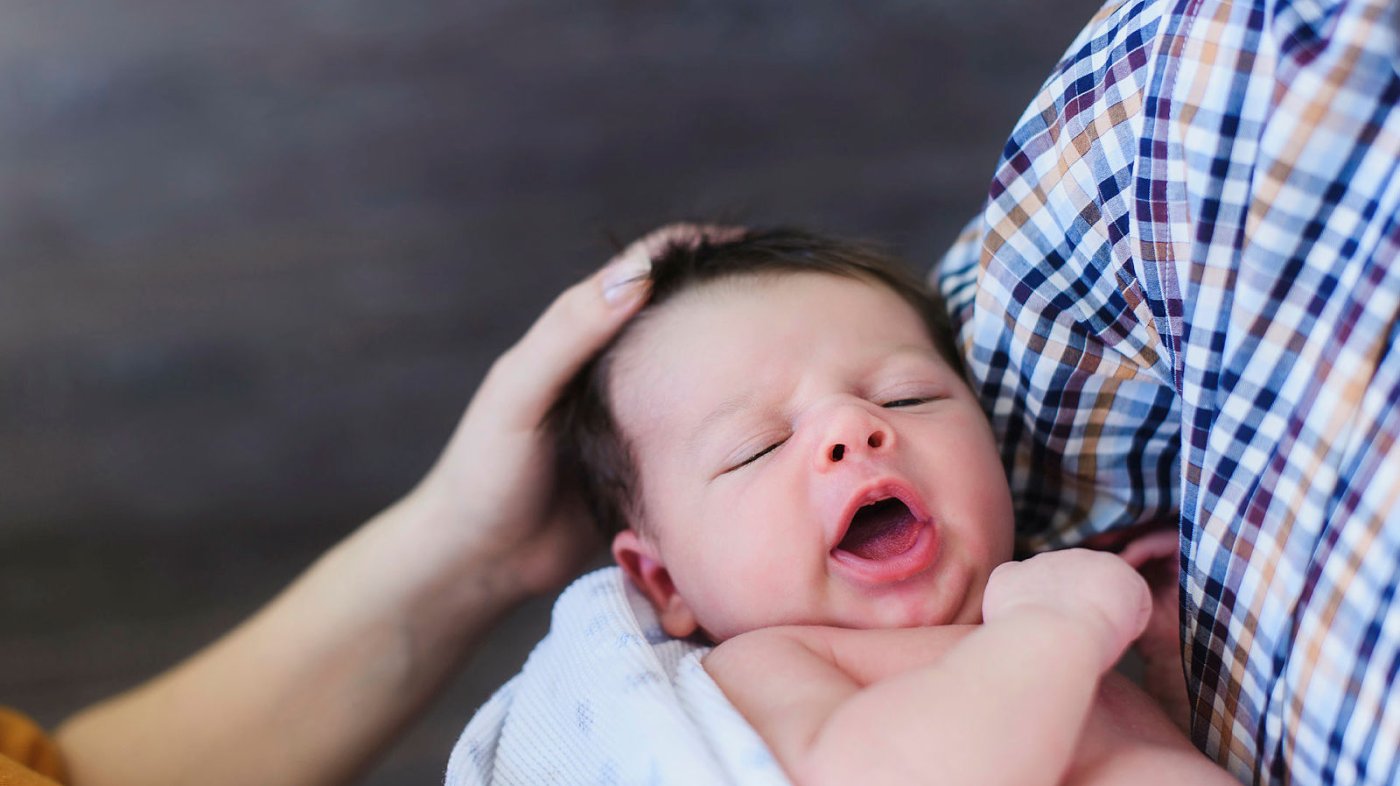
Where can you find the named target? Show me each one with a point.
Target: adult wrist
(437, 546)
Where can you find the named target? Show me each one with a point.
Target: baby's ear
(641, 561)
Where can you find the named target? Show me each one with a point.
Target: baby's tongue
(880, 531)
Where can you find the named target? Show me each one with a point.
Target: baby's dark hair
(590, 446)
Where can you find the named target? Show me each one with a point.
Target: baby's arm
(1005, 704)
(790, 682)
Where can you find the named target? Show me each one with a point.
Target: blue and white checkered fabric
(1182, 303)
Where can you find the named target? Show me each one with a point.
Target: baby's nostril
(837, 451)
(876, 440)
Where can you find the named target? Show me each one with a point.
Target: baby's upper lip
(870, 492)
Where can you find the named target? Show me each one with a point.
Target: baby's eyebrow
(727, 409)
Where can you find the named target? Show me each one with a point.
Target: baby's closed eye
(769, 448)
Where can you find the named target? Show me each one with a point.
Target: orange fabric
(27, 756)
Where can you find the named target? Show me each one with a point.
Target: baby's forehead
(662, 329)
(768, 290)
(693, 329)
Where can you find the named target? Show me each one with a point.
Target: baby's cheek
(756, 586)
(995, 515)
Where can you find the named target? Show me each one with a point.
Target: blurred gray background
(255, 256)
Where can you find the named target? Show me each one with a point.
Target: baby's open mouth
(880, 530)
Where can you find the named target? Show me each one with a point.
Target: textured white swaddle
(607, 697)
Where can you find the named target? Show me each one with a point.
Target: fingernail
(622, 280)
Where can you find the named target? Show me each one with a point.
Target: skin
(313, 686)
(742, 493)
(734, 399)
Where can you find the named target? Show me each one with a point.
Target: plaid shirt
(1181, 304)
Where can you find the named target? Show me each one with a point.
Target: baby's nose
(850, 432)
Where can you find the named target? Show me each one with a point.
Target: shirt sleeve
(28, 757)
(1181, 304)
(1063, 344)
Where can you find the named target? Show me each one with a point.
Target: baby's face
(805, 457)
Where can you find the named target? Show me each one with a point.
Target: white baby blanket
(608, 698)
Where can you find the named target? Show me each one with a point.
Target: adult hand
(494, 484)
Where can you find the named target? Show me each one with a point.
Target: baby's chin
(912, 618)
(918, 610)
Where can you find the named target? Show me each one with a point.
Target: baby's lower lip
(892, 568)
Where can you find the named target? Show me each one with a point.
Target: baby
(792, 468)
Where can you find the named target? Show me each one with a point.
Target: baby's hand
(1094, 588)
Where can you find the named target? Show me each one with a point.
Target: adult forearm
(319, 681)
